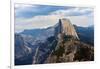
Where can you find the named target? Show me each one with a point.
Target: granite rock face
(65, 27)
(69, 48)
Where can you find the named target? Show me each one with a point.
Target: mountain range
(62, 42)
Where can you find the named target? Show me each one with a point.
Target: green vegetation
(70, 49)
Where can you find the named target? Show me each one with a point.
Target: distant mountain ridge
(43, 34)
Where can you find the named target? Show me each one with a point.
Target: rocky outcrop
(71, 51)
(69, 48)
(65, 27)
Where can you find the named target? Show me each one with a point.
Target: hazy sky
(42, 16)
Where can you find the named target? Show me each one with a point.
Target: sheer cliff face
(65, 27)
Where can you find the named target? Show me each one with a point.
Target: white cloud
(80, 20)
(73, 12)
(21, 6)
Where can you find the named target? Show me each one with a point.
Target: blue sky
(28, 11)
(42, 16)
